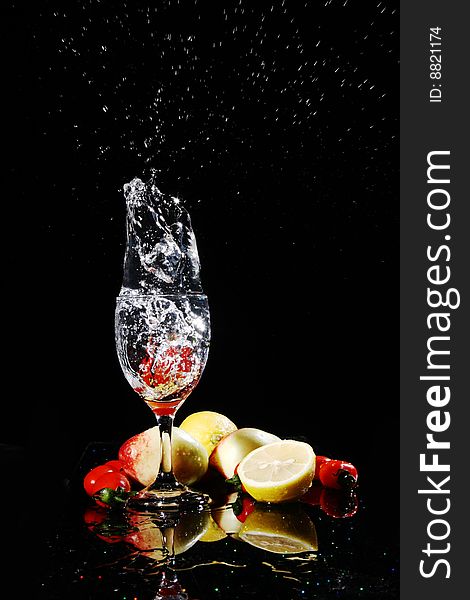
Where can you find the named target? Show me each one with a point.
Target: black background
(285, 152)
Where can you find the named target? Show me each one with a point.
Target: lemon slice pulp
(278, 472)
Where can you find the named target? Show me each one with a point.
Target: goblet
(162, 343)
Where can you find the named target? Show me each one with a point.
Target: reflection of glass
(162, 325)
(150, 536)
(157, 542)
(169, 588)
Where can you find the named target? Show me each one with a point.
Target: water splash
(161, 254)
(162, 321)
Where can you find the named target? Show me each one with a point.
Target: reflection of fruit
(278, 472)
(148, 538)
(213, 533)
(208, 428)
(140, 455)
(338, 504)
(111, 528)
(151, 539)
(94, 515)
(235, 446)
(286, 530)
(190, 528)
(109, 539)
(246, 508)
(313, 495)
(226, 520)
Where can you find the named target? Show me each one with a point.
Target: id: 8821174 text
(435, 64)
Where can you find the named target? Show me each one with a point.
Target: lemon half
(278, 472)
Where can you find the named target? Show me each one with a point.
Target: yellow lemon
(208, 428)
(278, 472)
(282, 530)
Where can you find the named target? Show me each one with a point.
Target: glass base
(178, 499)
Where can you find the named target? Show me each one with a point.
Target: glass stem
(168, 534)
(165, 475)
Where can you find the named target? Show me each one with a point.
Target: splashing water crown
(161, 254)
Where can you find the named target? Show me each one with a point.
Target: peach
(141, 456)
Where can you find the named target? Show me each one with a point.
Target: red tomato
(338, 504)
(117, 465)
(338, 474)
(112, 480)
(91, 477)
(318, 463)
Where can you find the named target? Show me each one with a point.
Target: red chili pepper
(117, 465)
(319, 460)
(338, 474)
(89, 481)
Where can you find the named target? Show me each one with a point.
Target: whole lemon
(208, 428)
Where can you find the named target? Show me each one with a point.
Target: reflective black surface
(78, 550)
(277, 124)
